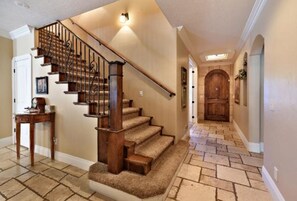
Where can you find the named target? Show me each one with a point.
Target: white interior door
(22, 91)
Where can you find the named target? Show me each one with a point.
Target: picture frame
(237, 90)
(184, 82)
(42, 85)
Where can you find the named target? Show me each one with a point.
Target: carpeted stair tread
(130, 123)
(129, 110)
(153, 184)
(154, 147)
(140, 135)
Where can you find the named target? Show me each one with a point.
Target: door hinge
(193, 71)
(14, 100)
(13, 70)
(14, 130)
(193, 101)
(193, 87)
(193, 117)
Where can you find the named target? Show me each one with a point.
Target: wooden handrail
(126, 60)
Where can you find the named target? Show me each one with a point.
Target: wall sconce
(124, 17)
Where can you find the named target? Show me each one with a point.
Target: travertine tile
(78, 185)
(253, 161)
(254, 176)
(228, 154)
(54, 174)
(26, 176)
(2, 198)
(203, 164)
(99, 197)
(188, 158)
(217, 159)
(76, 198)
(225, 142)
(26, 161)
(53, 163)
(247, 194)
(245, 167)
(60, 193)
(6, 164)
(218, 183)
(26, 195)
(190, 191)
(216, 136)
(74, 171)
(258, 155)
(231, 174)
(11, 173)
(238, 150)
(11, 188)
(35, 184)
(205, 148)
(4, 150)
(225, 195)
(208, 172)
(197, 157)
(190, 172)
(235, 160)
(177, 181)
(258, 184)
(173, 191)
(13, 148)
(38, 167)
(195, 152)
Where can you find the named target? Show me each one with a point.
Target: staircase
(127, 140)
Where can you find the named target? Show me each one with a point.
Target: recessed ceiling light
(22, 4)
(215, 57)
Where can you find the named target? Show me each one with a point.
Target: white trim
(251, 146)
(19, 32)
(254, 15)
(262, 146)
(272, 187)
(5, 141)
(66, 158)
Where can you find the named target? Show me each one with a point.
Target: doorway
(217, 96)
(22, 92)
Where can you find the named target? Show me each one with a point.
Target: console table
(33, 118)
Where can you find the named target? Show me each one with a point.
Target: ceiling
(37, 13)
(209, 26)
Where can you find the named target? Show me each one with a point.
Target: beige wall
(277, 24)
(202, 72)
(5, 87)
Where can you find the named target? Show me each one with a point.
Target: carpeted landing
(153, 184)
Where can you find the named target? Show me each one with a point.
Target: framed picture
(184, 87)
(42, 85)
(237, 90)
(183, 76)
(184, 96)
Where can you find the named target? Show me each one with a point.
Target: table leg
(53, 139)
(18, 139)
(32, 143)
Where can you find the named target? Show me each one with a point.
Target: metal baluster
(85, 66)
(103, 84)
(89, 81)
(98, 88)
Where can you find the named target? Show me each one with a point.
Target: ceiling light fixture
(22, 4)
(124, 17)
(215, 57)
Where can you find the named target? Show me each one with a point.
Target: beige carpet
(153, 184)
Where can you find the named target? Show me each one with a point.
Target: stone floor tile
(247, 194)
(8, 155)
(54, 174)
(218, 183)
(235, 160)
(76, 198)
(26, 176)
(253, 161)
(47, 184)
(217, 159)
(231, 174)
(258, 155)
(4, 150)
(190, 172)
(74, 171)
(203, 164)
(197, 157)
(11, 173)
(208, 172)
(205, 148)
(191, 191)
(216, 136)
(13, 147)
(2, 198)
(38, 167)
(177, 181)
(188, 158)
(225, 195)
(99, 197)
(26, 195)
(26, 161)
(223, 153)
(225, 142)
(238, 150)
(78, 185)
(258, 184)
(6, 164)
(54, 163)
(11, 188)
(195, 152)
(60, 193)
(245, 167)
(173, 191)
(254, 176)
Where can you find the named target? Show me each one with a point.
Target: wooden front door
(217, 96)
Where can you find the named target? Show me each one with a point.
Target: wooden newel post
(115, 150)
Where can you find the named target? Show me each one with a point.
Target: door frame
(13, 61)
(228, 80)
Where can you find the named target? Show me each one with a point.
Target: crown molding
(254, 15)
(19, 32)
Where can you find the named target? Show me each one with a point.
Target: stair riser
(130, 116)
(85, 97)
(93, 108)
(140, 169)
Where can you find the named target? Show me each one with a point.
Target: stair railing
(126, 60)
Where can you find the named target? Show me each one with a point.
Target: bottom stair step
(138, 163)
(154, 147)
(140, 135)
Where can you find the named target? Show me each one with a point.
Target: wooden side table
(33, 118)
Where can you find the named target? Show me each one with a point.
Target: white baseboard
(251, 146)
(5, 141)
(66, 158)
(270, 184)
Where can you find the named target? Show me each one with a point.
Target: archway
(256, 92)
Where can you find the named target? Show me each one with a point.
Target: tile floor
(217, 167)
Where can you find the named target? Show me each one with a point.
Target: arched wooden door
(217, 96)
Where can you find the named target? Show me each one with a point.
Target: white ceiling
(209, 26)
(42, 12)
